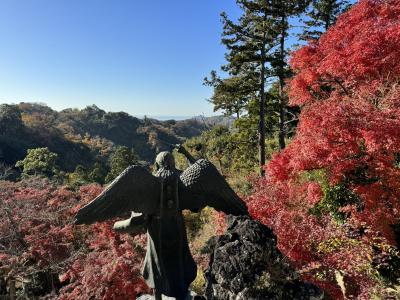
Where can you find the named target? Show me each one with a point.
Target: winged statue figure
(156, 202)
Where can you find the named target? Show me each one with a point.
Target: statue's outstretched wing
(135, 189)
(202, 185)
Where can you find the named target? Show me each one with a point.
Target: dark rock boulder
(246, 264)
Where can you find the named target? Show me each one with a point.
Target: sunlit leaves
(332, 195)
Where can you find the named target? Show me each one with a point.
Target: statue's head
(165, 160)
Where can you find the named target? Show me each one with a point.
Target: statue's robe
(169, 266)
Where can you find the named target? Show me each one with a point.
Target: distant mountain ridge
(216, 120)
(163, 117)
(83, 136)
(211, 120)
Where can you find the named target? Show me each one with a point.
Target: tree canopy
(38, 161)
(332, 194)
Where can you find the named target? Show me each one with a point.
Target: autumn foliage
(41, 246)
(332, 196)
(359, 53)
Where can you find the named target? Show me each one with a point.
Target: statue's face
(165, 160)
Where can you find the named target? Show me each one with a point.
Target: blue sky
(142, 57)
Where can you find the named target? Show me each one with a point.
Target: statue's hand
(122, 226)
(180, 148)
(136, 224)
(183, 151)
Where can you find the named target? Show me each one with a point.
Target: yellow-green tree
(122, 158)
(38, 162)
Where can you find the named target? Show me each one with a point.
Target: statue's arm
(136, 224)
(183, 151)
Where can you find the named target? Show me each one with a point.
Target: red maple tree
(332, 196)
(359, 53)
(39, 243)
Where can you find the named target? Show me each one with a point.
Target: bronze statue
(157, 203)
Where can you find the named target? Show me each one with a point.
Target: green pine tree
(231, 95)
(256, 57)
(322, 15)
(281, 11)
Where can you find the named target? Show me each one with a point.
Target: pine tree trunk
(328, 15)
(261, 128)
(281, 75)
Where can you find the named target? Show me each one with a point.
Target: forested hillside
(84, 137)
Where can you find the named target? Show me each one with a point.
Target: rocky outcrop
(246, 264)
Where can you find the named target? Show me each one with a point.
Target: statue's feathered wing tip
(135, 189)
(204, 186)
